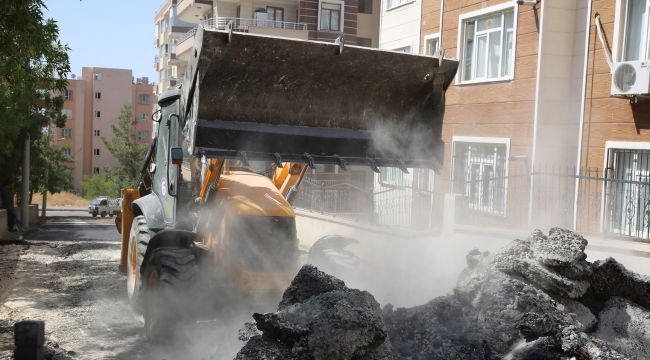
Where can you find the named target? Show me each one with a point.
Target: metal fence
(335, 197)
(589, 200)
(407, 204)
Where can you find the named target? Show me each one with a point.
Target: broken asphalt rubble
(537, 299)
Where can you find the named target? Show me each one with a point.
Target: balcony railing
(241, 24)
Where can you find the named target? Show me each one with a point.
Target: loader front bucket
(270, 98)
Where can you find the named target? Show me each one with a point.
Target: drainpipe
(442, 11)
(583, 104)
(601, 36)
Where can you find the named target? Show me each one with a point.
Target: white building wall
(400, 26)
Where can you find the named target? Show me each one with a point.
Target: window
(143, 135)
(331, 16)
(405, 49)
(631, 31)
(396, 3)
(431, 44)
(96, 152)
(487, 45)
(627, 195)
(364, 42)
(479, 173)
(67, 152)
(66, 133)
(98, 95)
(275, 14)
(96, 170)
(144, 117)
(144, 99)
(67, 113)
(67, 94)
(365, 6)
(98, 76)
(392, 176)
(98, 114)
(96, 132)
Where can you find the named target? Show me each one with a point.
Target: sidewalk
(67, 208)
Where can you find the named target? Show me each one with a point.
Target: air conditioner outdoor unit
(631, 78)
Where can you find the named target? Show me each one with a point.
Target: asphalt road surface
(67, 274)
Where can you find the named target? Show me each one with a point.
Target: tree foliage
(33, 66)
(107, 183)
(51, 160)
(124, 146)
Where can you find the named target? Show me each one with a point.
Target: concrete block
(4, 231)
(33, 215)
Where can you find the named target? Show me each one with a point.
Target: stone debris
(319, 318)
(626, 326)
(537, 299)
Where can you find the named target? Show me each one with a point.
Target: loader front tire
(170, 277)
(138, 241)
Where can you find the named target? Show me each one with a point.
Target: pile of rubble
(536, 299)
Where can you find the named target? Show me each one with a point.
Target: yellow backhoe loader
(233, 144)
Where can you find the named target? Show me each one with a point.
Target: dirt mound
(536, 299)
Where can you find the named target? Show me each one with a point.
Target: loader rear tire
(138, 241)
(170, 278)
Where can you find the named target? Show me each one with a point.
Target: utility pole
(24, 206)
(47, 173)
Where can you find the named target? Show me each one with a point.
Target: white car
(105, 206)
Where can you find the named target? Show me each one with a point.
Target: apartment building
(401, 25)
(322, 20)
(92, 104)
(547, 123)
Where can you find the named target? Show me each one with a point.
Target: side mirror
(156, 116)
(176, 154)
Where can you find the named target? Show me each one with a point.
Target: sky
(102, 33)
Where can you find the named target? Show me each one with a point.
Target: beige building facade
(324, 20)
(92, 105)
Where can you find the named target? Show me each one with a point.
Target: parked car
(105, 206)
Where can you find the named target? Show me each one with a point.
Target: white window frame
(96, 132)
(339, 2)
(98, 76)
(484, 140)
(98, 95)
(619, 32)
(461, 40)
(401, 4)
(96, 152)
(67, 152)
(98, 114)
(96, 171)
(402, 48)
(427, 38)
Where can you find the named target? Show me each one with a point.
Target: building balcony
(253, 26)
(193, 10)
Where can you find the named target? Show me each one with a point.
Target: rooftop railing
(242, 24)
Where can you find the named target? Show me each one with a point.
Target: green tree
(125, 148)
(49, 159)
(107, 183)
(33, 67)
